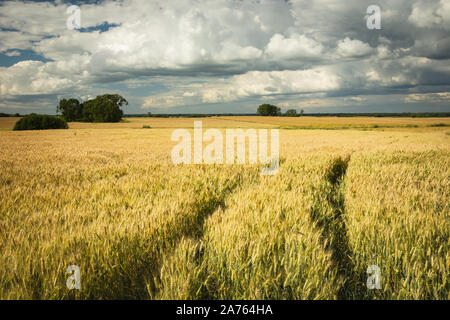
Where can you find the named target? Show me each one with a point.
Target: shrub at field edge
(40, 122)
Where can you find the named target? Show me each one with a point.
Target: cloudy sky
(219, 56)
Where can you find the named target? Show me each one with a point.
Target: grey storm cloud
(294, 51)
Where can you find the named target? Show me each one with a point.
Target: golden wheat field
(349, 193)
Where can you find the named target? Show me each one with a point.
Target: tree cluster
(293, 113)
(269, 110)
(104, 108)
(40, 122)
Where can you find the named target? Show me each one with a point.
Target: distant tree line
(272, 110)
(104, 108)
(186, 115)
(290, 113)
(3, 115)
(384, 114)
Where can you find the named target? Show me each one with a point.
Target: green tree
(301, 112)
(291, 113)
(105, 108)
(269, 110)
(71, 110)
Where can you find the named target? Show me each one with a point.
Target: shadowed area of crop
(329, 218)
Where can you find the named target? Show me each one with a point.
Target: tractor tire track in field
(194, 228)
(148, 253)
(334, 230)
(207, 289)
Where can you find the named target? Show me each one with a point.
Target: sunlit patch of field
(138, 123)
(7, 123)
(107, 198)
(308, 122)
